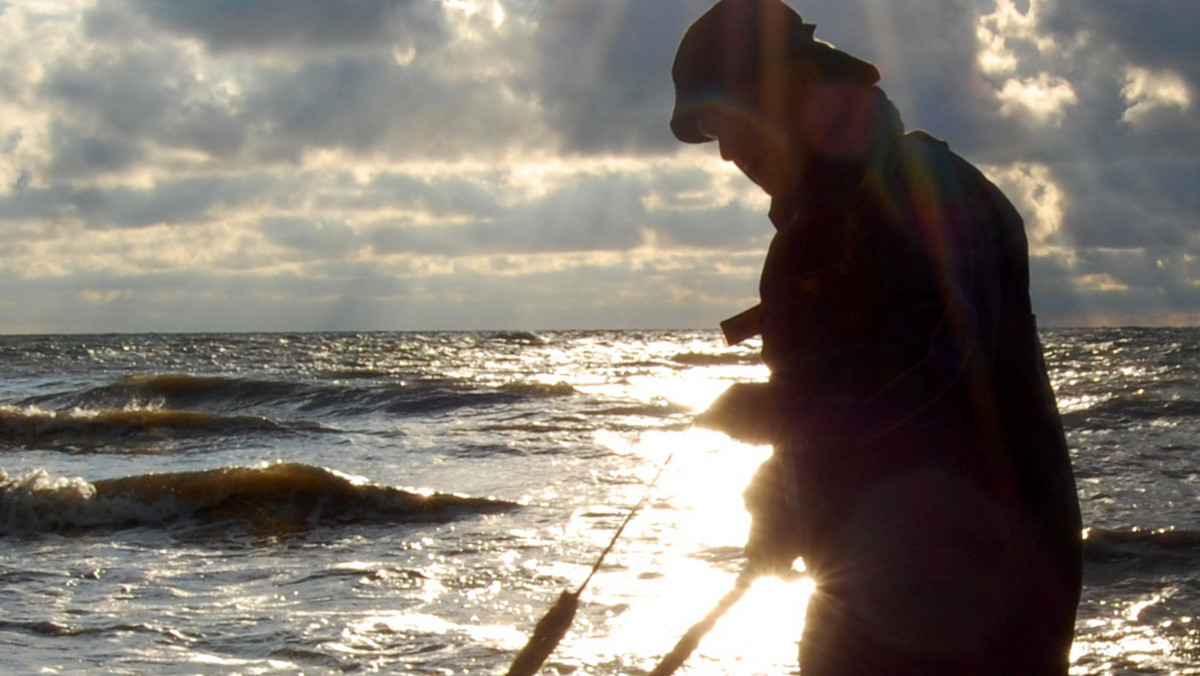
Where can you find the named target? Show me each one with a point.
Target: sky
(308, 165)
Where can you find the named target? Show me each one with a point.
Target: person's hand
(775, 539)
(747, 412)
(769, 555)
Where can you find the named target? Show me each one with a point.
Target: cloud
(284, 80)
(503, 163)
(1044, 98)
(375, 107)
(1142, 202)
(604, 72)
(1157, 34)
(171, 202)
(235, 26)
(1150, 93)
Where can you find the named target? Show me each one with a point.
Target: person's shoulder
(922, 137)
(929, 148)
(929, 161)
(918, 150)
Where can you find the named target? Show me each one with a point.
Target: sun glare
(677, 563)
(758, 635)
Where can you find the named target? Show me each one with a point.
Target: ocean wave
(518, 337)
(179, 391)
(716, 358)
(659, 408)
(56, 629)
(1141, 551)
(539, 390)
(1132, 410)
(282, 498)
(281, 399)
(431, 398)
(127, 430)
(1160, 538)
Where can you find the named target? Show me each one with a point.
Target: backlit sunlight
(677, 563)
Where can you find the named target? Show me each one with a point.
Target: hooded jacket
(897, 326)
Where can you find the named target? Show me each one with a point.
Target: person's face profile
(759, 149)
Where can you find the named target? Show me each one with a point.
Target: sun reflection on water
(759, 635)
(1138, 635)
(676, 560)
(683, 549)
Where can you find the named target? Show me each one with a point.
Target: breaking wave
(127, 430)
(138, 414)
(274, 499)
(1141, 551)
(282, 399)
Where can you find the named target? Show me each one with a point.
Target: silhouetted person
(919, 463)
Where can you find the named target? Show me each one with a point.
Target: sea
(414, 502)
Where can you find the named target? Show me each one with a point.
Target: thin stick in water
(554, 625)
(691, 638)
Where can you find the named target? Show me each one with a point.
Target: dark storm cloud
(239, 25)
